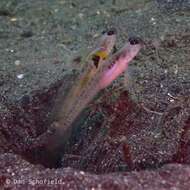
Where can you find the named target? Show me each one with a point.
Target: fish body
(118, 63)
(75, 101)
(98, 72)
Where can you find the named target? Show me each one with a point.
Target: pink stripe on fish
(118, 64)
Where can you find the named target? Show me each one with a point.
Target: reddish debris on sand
(118, 135)
(16, 173)
(183, 154)
(130, 138)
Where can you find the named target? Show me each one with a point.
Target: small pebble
(153, 20)
(27, 34)
(13, 19)
(165, 71)
(17, 62)
(20, 76)
(81, 15)
(98, 12)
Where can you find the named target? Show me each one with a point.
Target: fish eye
(134, 40)
(109, 32)
(96, 60)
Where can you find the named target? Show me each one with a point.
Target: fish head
(104, 47)
(118, 63)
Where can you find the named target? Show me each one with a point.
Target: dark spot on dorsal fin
(114, 49)
(96, 60)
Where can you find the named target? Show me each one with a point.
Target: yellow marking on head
(102, 54)
(90, 73)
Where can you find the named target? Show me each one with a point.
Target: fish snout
(134, 45)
